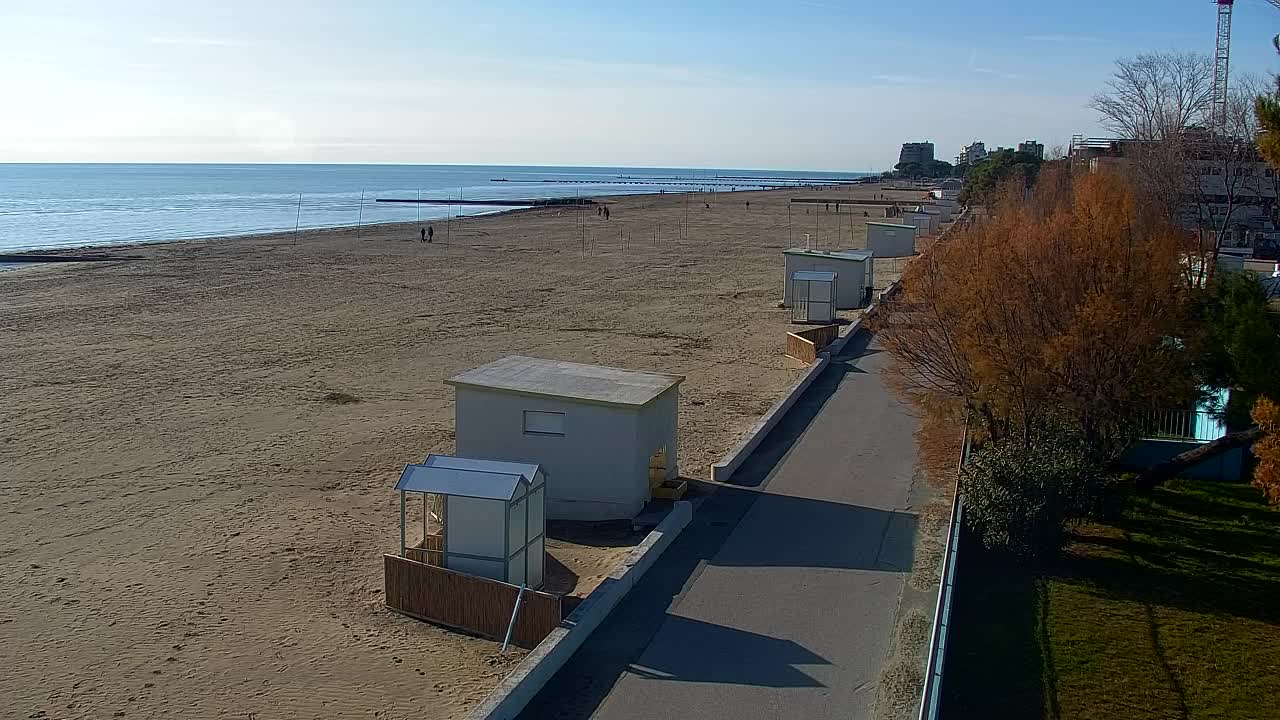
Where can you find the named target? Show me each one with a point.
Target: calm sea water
(58, 206)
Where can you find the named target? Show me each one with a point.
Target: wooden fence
(804, 345)
(474, 604)
(430, 551)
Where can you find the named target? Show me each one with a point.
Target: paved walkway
(779, 600)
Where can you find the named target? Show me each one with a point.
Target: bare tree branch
(1156, 95)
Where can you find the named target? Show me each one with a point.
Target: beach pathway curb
(517, 689)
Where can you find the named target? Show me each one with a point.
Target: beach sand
(199, 448)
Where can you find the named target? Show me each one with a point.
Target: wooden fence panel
(801, 349)
(466, 602)
(821, 336)
(429, 551)
(804, 345)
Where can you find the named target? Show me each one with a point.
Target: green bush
(1021, 497)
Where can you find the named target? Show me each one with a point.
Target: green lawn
(1171, 612)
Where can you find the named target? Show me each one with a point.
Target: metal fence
(1186, 425)
(931, 698)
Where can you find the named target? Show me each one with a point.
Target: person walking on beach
(424, 234)
(431, 231)
(748, 204)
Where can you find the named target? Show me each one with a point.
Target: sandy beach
(198, 447)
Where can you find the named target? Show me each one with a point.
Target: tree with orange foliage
(1266, 476)
(1050, 324)
(1056, 308)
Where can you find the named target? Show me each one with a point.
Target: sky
(790, 84)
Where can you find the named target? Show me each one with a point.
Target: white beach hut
(942, 212)
(492, 516)
(813, 294)
(891, 239)
(605, 436)
(854, 268)
(924, 222)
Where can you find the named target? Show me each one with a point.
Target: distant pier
(46, 258)
(748, 183)
(539, 202)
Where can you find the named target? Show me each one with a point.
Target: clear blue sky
(826, 84)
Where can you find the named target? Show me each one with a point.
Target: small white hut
(605, 436)
(924, 222)
(855, 269)
(492, 516)
(943, 213)
(890, 239)
(813, 294)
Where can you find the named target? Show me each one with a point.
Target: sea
(48, 206)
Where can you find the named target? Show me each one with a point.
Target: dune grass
(1173, 611)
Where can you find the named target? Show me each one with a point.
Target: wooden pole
(789, 244)
(419, 206)
(297, 222)
(360, 217)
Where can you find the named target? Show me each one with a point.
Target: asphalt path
(779, 599)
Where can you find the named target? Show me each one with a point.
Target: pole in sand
(789, 243)
(686, 216)
(419, 206)
(360, 217)
(297, 222)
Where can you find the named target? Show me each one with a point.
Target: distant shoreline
(61, 207)
(66, 250)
